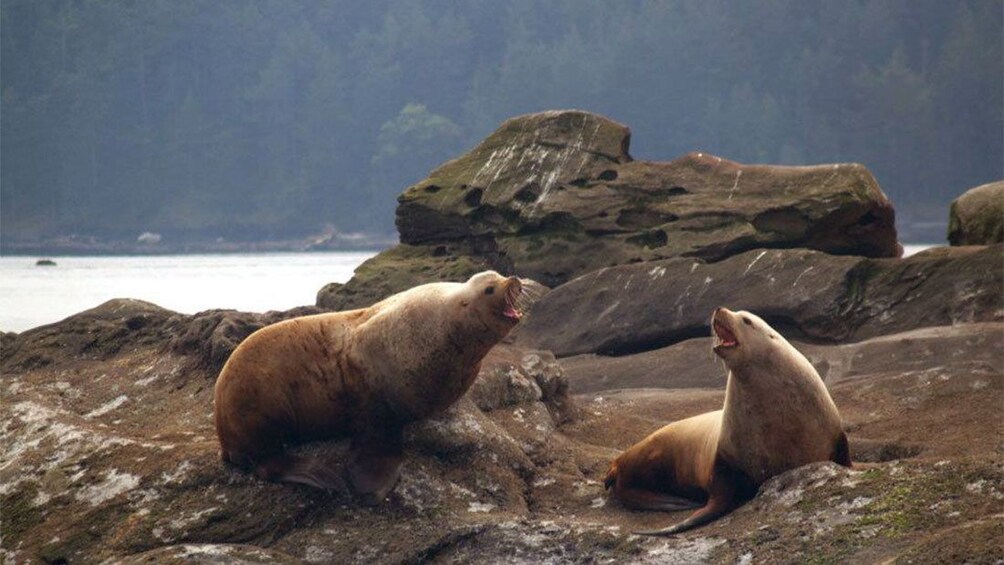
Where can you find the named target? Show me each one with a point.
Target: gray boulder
(977, 217)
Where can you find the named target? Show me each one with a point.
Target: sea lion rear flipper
(301, 470)
(728, 489)
(375, 465)
(313, 472)
(640, 499)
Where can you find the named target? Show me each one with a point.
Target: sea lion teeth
(723, 336)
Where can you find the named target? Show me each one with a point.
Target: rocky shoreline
(94, 246)
(109, 452)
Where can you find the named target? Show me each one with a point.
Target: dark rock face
(977, 217)
(805, 294)
(555, 195)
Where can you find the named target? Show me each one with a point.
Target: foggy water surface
(31, 296)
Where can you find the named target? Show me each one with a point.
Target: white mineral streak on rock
(107, 407)
(735, 185)
(800, 275)
(480, 507)
(750, 266)
(111, 485)
(178, 474)
(691, 552)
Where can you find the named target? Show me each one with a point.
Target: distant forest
(263, 119)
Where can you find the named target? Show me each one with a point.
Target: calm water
(31, 296)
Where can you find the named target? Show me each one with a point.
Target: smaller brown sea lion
(777, 416)
(362, 374)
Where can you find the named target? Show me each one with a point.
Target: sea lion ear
(465, 303)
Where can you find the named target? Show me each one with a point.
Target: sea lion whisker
(530, 299)
(534, 292)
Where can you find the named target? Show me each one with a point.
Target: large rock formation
(807, 294)
(554, 195)
(977, 217)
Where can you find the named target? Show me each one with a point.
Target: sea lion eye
(490, 290)
(747, 322)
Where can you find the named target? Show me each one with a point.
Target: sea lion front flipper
(728, 489)
(375, 465)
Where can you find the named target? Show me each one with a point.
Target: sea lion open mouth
(510, 309)
(724, 337)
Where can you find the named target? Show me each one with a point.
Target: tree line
(266, 119)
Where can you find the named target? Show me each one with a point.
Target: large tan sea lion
(777, 416)
(363, 374)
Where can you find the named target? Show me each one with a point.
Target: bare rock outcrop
(555, 195)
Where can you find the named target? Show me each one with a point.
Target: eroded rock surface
(555, 195)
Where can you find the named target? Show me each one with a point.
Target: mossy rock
(398, 269)
(555, 195)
